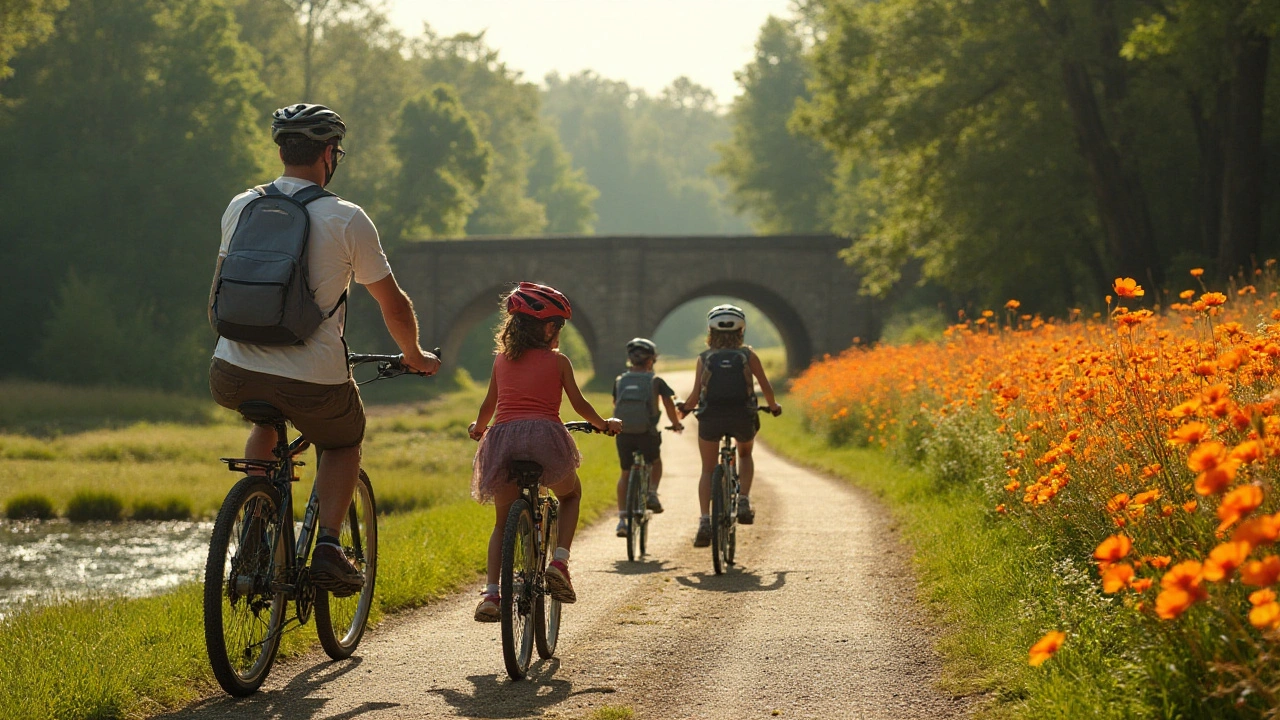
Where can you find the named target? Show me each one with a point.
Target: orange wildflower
(1247, 451)
(1116, 577)
(1259, 531)
(1206, 456)
(1197, 272)
(1192, 432)
(1114, 548)
(1224, 559)
(1046, 647)
(1213, 299)
(1265, 614)
(1238, 503)
(1128, 288)
(1261, 572)
(1181, 588)
(1013, 305)
(1141, 585)
(1158, 562)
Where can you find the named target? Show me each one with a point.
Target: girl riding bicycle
(529, 374)
(722, 383)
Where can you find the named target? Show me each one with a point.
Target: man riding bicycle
(309, 380)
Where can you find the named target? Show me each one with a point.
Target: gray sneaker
(746, 515)
(653, 503)
(330, 570)
(621, 530)
(703, 538)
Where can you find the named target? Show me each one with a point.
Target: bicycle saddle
(261, 413)
(525, 472)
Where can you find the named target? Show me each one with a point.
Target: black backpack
(634, 403)
(261, 295)
(725, 381)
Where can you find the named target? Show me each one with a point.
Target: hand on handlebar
(683, 409)
(676, 428)
(612, 426)
(476, 432)
(420, 362)
(775, 409)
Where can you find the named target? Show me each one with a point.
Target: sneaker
(746, 515)
(558, 582)
(332, 571)
(622, 527)
(488, 611)
(653, 503)
(703, 538)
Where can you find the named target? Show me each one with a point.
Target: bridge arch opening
(469, 339)
(774, 328)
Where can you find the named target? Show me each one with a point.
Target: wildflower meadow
(1139, 442)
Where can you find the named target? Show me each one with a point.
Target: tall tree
(782, 178)
(443, 166)
(24, 22)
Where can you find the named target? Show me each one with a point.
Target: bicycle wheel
(719, 518)
(731, 522)
(519, 589)
(645, 516)
(635, 513)
(546, 624)
(242, 613)
(340, 622)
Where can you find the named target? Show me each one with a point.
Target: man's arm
(402, 323)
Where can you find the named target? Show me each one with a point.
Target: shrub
(170, 508)
(29, 506)
(87, 505)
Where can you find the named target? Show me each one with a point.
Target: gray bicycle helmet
(726, 317)
(642, 345)
(316, 122)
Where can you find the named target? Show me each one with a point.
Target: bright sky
(647, 43)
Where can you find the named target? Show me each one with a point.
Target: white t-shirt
(343, 244)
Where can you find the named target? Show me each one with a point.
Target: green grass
(45, 408)
(110, 658)
(30, 506)
(87, 505)
(993, 593)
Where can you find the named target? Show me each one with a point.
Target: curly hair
(721, 339)
(519, 332)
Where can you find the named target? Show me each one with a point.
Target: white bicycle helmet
(316, 122)
(643, 345)
(727, 318)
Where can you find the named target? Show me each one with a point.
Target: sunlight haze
(647, 44)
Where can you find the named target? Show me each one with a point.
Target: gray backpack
(634, 404)
(261, 295)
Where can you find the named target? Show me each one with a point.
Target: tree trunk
(1121, 201)
(1243, 169)
(1209, 139)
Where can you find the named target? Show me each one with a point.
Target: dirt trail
(818, 620)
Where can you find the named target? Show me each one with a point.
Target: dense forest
(971, 152)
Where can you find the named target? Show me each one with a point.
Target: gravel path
(818, 620)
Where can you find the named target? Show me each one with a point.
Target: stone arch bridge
(622, 287)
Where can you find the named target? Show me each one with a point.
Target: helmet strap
(329, 170)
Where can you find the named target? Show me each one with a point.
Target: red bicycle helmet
(540, 301)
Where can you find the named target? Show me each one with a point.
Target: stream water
(41, 562)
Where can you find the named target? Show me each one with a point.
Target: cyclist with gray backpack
(636, 394)
(289, 252)
(724, 383)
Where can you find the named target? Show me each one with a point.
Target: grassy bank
(992, 591)
(111, 658)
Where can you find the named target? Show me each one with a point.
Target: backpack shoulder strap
(311, 193)
(269, 189)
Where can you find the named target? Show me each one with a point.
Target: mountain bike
(530, 616)
(724, 505)
(637, 510)
(258, 562)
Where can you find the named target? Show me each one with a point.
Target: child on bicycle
(636, 395)
(529, 375)
(722, 382)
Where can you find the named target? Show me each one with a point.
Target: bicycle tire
(635, 513)
(718, 519)
(546, 626)
(341, 622)
(248, 525)
(519, 588)
(645, 516)
(731, 524)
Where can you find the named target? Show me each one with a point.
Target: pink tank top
(528, 388)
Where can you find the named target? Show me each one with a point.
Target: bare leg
(502, 501)
(567, 524)
(746, 467)
(710, 452)
(655, 475)
(261, 443)
(336, 477)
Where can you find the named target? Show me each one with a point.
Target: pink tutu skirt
(546, 442)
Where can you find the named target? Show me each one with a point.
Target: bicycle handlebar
(389, 366)
(582, 426)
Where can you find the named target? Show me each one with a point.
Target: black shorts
(741, 425)
(648, 444)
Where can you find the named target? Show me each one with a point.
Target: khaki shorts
(330, 416)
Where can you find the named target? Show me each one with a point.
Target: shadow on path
(495, 696)
(733, 581)
(643, 567)
(291, 701)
